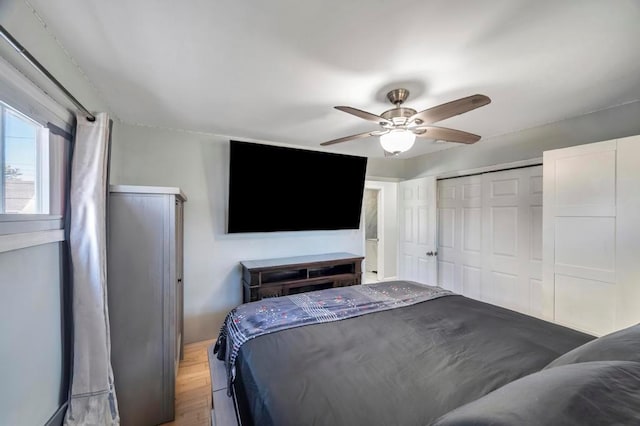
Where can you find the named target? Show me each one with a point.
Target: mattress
(404, 366)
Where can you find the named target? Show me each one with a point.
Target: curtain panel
(93, 399)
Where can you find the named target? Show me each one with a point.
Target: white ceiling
(273, 70)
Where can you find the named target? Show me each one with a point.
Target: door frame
(368, 184)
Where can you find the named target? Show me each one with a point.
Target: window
(24, 158)
(35, 158)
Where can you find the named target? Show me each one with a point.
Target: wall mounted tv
(273, 188)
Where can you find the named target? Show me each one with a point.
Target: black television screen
(273, 188)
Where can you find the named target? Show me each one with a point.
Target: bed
(412, 363)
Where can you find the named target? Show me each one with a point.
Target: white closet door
(512, 231)
(417, 202)
(490, 237)
(592, 235)
(628, 232)
(535, 195)
(580, 236)
(460, 235)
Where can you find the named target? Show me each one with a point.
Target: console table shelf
(291, 275)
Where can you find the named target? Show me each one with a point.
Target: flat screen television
(273, 188)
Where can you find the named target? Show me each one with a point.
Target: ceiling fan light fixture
(397, 141)
(400, 126)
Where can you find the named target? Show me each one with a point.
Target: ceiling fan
(399, 126)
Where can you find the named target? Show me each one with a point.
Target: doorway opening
(372, 235)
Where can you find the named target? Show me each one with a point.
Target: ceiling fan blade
(363, 114)
(445, 134)
(450, 109)
(346, 138)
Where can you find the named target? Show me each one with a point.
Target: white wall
(198, 164)
(31, 335)
(386, 169)
(602, 125)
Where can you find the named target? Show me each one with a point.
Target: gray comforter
(406, 366)
(266, 316)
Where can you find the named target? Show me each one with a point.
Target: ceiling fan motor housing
(398, 96)
(399, 115)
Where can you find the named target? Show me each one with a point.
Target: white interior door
(512, 235)
(417, 220)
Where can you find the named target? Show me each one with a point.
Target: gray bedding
(406, 366)
(585, 394)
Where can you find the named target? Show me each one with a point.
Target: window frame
(26, 229)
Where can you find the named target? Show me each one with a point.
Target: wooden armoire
(145, 293)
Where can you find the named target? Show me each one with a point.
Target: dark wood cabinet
(291, 275)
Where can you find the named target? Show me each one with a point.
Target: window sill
(30, 239)
(28, 217)
(28, 223)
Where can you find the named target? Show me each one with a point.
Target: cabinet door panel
(136, 263)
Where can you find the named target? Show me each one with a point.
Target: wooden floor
(193, 387)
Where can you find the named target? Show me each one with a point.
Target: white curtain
(93, 398)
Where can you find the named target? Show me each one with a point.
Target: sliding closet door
(628, 232)
(512, 235)
(490, 237)
(591, 235)
(580, 236)
(460, 235)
